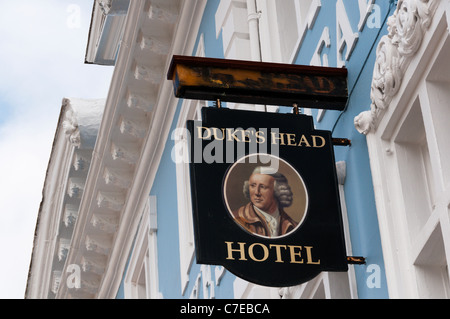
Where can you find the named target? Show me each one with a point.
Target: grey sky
(41, 62)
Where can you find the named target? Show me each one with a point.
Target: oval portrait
(265, 195)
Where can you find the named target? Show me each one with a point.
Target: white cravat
(272, 220)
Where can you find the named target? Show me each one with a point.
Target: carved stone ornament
(406, 29)
(105, 6)
(70, 126)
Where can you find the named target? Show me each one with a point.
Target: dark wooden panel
(259, 82)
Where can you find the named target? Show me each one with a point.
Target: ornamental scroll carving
(70, 126)
(406, 29)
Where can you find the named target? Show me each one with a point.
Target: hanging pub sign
(264, 187)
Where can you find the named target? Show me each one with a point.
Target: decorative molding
(105, 223)
(81, 161)
(70, 127)
(75, 187)
(119, 187)
(167, 13)
(135, 127)
(70, 215)
(98, 244)
(406, 30)
(151, 74)
(63, 190)
(154, 45)
(90, 282)
(113, 7)
(119, 178)
(129, 154)
(94, 265)
(63, 248)
(113, 201)
(56, 280)
(140, 101)
(105, 5)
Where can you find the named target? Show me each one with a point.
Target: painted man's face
(261, 187)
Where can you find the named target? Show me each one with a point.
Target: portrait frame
(234, 188)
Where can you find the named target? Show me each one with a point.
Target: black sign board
(265, 197)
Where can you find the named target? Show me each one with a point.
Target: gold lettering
(246, 136)
(281, 138)
(260, 138)
(263, 253)
(291, 139)
(252, 256)
(200, 133)
(325, 85)
(230, 250)
(296, 253)
(309, 259)
(278, 251)
(304, 140)
(218, 136)
(231, 135)
(315, 144)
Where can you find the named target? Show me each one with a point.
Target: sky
(41, 62)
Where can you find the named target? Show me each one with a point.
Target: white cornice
(183, 43)
(132, 136)
(67, 169)
(106, 30)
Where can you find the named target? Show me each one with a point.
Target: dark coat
(253, 221)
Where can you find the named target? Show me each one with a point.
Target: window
(283, 25)
(190, 110)
(141, 279)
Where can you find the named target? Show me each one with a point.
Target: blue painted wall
(360, 201)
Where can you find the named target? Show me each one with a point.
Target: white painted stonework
(100, 200)
(407, 133)
(64, 186)
(395, 50)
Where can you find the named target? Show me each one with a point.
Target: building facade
(123, 228)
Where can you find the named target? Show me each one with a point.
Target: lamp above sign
(259, 82)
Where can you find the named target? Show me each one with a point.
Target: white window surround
(261, 41)
(272, 28)
(407, 134)
(320, 59)
(141, 279)
(185, 224)
(190, 110)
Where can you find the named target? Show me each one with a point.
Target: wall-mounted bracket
(354, 260)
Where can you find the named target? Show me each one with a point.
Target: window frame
(190, 110)
(144, 258)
